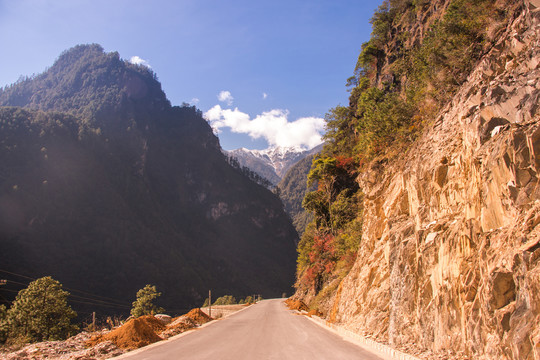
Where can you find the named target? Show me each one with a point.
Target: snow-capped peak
(273, 162)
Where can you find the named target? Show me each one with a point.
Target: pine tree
(143, 305)
(225, 300)
(3, 324)
(40, 312)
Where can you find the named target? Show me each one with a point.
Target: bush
(40, 312)
(3, 324)
(225, 300)
(382, 117)
(144, 303)
(247, 300)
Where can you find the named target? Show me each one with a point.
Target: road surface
(267, 330)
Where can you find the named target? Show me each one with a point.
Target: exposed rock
(178, 326)
(165, 319)
(449, 258)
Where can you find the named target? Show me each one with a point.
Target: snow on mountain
(272, 163)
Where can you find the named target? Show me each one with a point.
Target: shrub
(144, 304)
(40, 312)
(225, 300)
(3, 324)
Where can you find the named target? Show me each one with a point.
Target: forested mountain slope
(292, 189)
(107, 187)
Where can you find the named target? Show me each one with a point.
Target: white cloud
(194, 101)
(272, 125)
(265, 95)
(226, 97)
(138, 61)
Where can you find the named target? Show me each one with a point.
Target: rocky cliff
(449, 260)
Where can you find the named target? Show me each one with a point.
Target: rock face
(450, 255)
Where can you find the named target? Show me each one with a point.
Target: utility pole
(93, 321)
(210, 303)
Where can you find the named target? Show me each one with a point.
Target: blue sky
(273, 62)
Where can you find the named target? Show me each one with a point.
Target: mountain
(287, 169)
(107, 187)
(427, 215)
(292, 190)
(272, 163)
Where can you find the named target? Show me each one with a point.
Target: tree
(3, 324)
(40, 312)
(143, 305)
(225, 300)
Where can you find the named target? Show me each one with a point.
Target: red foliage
(323, 247)
(344, 162)
(322, 258)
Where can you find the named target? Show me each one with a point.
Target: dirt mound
(198, 316)
(182, 322)
(165, 319)
(185, 322)
(134, 334)
(178, 326)
(296, 305)
(153, 322)
(314, 313)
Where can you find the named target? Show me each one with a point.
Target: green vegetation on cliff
(418, 56)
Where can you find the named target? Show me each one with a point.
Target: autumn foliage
(326, 248)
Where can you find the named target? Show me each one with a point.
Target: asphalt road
(267, 330)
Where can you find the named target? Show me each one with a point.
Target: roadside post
(210, 303)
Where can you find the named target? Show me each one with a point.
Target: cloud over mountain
(272, 125)
(138, 61)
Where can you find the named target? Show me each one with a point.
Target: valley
(413, 226)
(117, 187)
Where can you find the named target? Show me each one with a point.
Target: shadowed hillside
(107, 187)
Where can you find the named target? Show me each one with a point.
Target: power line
(113, 303)
(15, 282)
(14, 291)
(12, 273)
(80, 297)
(97, 304)
(83, 302)
(101, 301)
(97, 296)
(70, 289)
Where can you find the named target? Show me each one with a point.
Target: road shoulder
(382, 350)
(185, 333)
